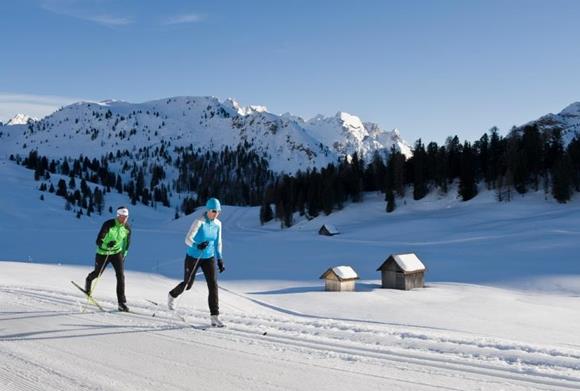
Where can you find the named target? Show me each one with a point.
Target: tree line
(526, 159)
(153, 176)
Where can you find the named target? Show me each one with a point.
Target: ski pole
(185, 286)
(188, 279)
(94, 286)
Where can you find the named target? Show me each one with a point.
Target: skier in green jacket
(112, 245)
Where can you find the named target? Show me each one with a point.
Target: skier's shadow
(82, 328)
(18, 315)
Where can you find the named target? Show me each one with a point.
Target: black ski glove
(221, 266)
(202, 245)
(111, 244)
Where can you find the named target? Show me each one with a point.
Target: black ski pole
(98, 276)
(188, 278)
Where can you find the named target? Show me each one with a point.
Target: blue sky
(429, 68)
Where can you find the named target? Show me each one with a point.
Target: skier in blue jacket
(204, 241)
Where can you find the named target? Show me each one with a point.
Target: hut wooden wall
(338, 286)
(398, 280)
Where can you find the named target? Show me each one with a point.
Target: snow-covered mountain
(20, 119)
(568, 120)
(289, 142)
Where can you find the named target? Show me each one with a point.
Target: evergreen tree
(375, 174)
(38, 172)
(419, 178)
(62, 190)
(482, 150)
(85, 190)
(396, 169)
(516, 161)
(561, 179)
(574, 155)
(454, 151)
(328, 197)
(390, 198)
(145, 196)
(64, 169)
(266, 213)
(494, 164)
(119, 184)
(99, 200)
(442, 169)
(188, 205)
(533, 150)
(467, 186)
(356, 178)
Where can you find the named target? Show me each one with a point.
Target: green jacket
(111, 231)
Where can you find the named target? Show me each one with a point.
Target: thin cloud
(183, 18)
(109, 20)
(37, 106)
(79, 10)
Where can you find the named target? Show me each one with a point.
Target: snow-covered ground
(499, 312)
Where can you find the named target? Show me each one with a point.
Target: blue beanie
(213, 203)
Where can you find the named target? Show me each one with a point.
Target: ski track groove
(31, 377)
(324, 350)
(327, 336)
(359, 326)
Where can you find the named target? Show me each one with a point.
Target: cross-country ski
(90, 299)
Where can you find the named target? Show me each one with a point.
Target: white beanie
(122, 211)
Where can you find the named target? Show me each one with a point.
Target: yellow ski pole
(94, 283)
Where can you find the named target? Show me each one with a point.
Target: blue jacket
(205, 230)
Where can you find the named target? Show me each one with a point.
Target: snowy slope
(288, 142)
(481, 241)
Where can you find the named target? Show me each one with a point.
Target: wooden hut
(328, 230)
(403, 271)
(340, 279)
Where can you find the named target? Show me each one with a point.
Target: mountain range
(288, 142)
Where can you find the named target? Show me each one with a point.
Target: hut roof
(330, 228)
(408, 262)
(343, 273)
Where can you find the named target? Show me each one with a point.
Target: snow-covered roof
(330, 228)
(342, 272)
(408, 262)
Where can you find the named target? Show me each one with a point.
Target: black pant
(208, 267)
(101, 262)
